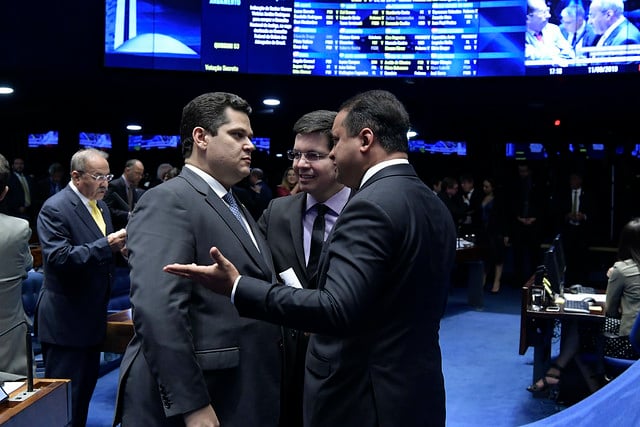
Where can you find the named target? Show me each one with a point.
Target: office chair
(615, 366)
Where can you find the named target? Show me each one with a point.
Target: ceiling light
(272, 102)
(411, 134)
(134, 127)
(6, 90)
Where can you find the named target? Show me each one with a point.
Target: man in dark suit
(123, 193)
(78, 253)
(608, 21)
(575, 219)
(374, 356)
(287, 224)
(193, 360)
(21, 192)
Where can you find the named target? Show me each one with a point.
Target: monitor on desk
(554, 275)
(559, 253)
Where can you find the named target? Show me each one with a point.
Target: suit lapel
(83, 213)
(298, 210)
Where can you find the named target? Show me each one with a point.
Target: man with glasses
(608, 21)
(374, 357)
(78, 246)
(288, 224)
(543, 40)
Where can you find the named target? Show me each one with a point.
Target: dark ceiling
(53, 55)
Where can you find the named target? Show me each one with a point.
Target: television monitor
(526, 151)
(262, 143)
(559, 253)
(382, 38)
(553, 271)
(588, 151)
(95, 140)
(46, 139)
(458, 148)
(151, 142)
(635, 151)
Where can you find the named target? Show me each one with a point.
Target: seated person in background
(574, 27)
(623, 294)
(15, 262)
(608, 21)
(544, 40)
(289, 184)
(622, 308)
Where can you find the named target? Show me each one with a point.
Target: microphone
(29, 352)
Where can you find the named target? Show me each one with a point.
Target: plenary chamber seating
(615, 366)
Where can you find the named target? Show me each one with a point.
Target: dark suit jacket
(191, 347)
(374, 358)
(15, 196)
(625, 33)
(566, 202)
(78, 269)
(116, 198)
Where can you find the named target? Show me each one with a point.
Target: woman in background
(491, 236)
(289, 184)
(622, 308)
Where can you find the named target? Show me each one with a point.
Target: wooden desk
(36, 253)
(536, 328)
(119, 332)
(50, 405)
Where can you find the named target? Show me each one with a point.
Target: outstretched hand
(218, 277)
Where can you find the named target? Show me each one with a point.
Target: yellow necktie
(97, 216)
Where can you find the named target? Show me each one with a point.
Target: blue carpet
(485, 377)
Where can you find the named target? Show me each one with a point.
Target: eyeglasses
(310, 156)
(99, 178)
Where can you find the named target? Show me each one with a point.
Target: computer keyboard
(579, 289)
(576, 306)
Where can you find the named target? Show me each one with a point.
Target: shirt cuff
(233, 290)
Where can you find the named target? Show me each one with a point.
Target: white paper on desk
(11, 386)
(290, 279)
(580, 297)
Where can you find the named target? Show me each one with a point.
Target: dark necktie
(235, 209)
(317, 239)
(130, 197)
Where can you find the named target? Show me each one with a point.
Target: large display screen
(153, 142)
(382, 38)
(95, 140)
(46, 139)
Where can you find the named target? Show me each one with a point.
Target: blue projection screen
(381, 38)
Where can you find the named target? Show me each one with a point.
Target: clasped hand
(218, 277)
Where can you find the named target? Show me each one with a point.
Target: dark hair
(4, 173)
(383, 113)
(448, 182)
(320, 121)
(55, 168)
(208, 111)
(629, 246)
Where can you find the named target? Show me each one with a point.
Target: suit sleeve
(56, 237)
(160, 232)
(357, 271)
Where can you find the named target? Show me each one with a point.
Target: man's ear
(199, 137)
(367, 138)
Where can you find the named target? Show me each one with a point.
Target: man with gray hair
(78, 247)
(574, 26)
(608, 21)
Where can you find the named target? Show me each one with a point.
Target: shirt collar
(211, 181)
(378, 167)
(335, 203)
